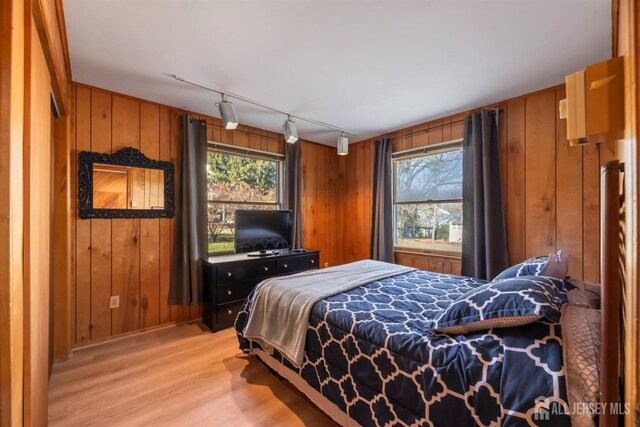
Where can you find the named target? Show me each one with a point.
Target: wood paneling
(540, 136)
(37, 232)
(320, 201)
(131, 258)
(12, 55)
(49, 19)
(100, 246)
(125, 233)
(82, 271)
(62, 239)
(628, 29)
(432, 262)
(568, 196)
(150, 229)
(550, 190)
(515, 188)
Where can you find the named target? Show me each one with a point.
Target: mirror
(125, 184)
(126, 187)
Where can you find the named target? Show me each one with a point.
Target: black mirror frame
(127, 156)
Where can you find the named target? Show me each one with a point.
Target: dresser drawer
(227, 314)
(234, 291)
(235, 272)
(298, 263)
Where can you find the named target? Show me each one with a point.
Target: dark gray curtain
(484, 243)
(190, 237)
(293, 189)
(382, 216)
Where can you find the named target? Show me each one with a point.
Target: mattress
(370, 353)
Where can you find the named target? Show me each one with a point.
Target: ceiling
(363, 65)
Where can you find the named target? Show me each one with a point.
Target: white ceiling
(368, 66)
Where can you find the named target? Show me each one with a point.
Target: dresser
(228, 280)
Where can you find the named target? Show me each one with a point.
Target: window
(237, 181)
(428, 201)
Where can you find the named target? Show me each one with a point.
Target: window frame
(251, 154)
(399, 156)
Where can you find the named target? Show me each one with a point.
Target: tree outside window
(236, 182)
(428, 201)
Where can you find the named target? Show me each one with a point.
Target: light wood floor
(178, 376)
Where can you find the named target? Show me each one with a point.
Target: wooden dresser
(228, 280)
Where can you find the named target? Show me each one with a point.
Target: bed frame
(612, 280)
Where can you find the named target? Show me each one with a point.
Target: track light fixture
(343, 144)
(228, 113)
(290, 131)
(230, 119)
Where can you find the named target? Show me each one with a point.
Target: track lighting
(290, 131)
(343, 144)
(230, 119)
(228, 113)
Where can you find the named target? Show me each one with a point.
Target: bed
(372, 356)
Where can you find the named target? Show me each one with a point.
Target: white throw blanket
(279, 316)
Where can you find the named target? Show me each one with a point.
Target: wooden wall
(551, 190)
(49, 20)
(12, 91)
(37, 233)
(31, 34)
(131, 257)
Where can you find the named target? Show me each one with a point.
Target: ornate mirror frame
(127, 156)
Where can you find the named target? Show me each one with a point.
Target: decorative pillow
(585, 294)
(555, 265)
(504, 304)
(581, 350)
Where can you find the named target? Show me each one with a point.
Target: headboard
(611, 267)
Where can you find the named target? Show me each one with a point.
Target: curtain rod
(492, 111)
(244, 151)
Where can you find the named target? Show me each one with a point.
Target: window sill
(221, 253)
(422, 252)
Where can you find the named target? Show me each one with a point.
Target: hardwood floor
(177, 376)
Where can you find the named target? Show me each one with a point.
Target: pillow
(555, 265)
(581, 351)
(504, 304)
(585, 294)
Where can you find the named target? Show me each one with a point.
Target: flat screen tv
(262, 229)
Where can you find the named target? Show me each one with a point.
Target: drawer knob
(313, 261)
(229, 274)
(229, 312)
(228, 292)
(266, 269)
(284, 266)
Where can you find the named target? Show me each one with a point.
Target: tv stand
(228, 280)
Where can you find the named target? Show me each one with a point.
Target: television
(257, 230)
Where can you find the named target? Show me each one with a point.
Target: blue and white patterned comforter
(369, 350)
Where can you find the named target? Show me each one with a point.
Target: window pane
(232, 180)
(222, 218)
(430, 177)
(431, 226)
(242, 179)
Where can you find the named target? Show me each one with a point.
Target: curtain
(293, 189)
(190, 237)
(484, 243)
(382, 216)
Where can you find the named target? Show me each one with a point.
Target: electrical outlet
(114, 301)
(326, 264)
(133, 204)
